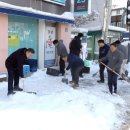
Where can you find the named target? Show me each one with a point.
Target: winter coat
(123, 50)
(75, 46)
(16, 61)
(114, 59)
(61, 49)
(103, 51)
(74, 61)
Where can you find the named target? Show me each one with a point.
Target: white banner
(49, 47)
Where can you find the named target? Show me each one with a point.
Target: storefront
(114, 33)
(22, 32)
(23, 28)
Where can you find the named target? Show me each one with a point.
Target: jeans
(13, 79)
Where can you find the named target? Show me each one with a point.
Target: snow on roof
(95, 28)
(66, 15)
(113, 28)
(119, 29)
(80, 30)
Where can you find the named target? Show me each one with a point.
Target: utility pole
(106, 20)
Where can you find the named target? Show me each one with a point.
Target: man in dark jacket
(103, 50)
(75, 45)
(114, 58)
(14, 64)
(125, 57)
(75, 64)
(62, 53)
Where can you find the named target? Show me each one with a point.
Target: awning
(29, 12)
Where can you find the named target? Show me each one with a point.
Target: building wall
(64, 33)
(98, 6)
(41, 5)
(3, 41)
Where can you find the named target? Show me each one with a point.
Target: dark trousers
(75, 74)
(13, 79)
(102, 68)
(62, 66)
(112, 82)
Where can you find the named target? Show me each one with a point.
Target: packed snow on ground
(57, 106)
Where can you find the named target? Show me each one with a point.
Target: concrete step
(3, 77)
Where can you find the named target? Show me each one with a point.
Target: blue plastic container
(26, 70)
(33, 64)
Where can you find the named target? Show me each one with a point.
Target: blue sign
(59, 1)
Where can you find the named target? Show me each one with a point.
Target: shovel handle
(110, 69)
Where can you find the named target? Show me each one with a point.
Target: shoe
(71, 82)
(75, 86)
(18, 89)
(100, 81)
(81, 76)
(11, 93)
(115, 91)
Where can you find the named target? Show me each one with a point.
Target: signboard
(81, 6)
(49, 47)
(57, 1)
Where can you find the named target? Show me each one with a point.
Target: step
(3, 77)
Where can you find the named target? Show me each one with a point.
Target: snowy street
(57, 106)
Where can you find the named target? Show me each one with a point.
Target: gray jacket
(114, 59)
(123, 50)
(61, 49)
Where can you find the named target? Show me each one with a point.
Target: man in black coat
(75, 45)
(103, 50)
(14, 64)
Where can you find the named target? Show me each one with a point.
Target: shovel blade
(65, 80)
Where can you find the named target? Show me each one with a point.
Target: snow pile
(59, 107)
(31, 10)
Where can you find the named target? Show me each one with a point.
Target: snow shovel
(95, 73)
(65, 80)
(24, 88)
(128, 79)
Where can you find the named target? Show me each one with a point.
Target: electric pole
(106, 20)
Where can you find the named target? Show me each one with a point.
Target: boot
(75, 86)
(71, 82)
(17, 88)
(10, 93)
(100, 81)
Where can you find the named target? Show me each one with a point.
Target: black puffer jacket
(16, 61)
